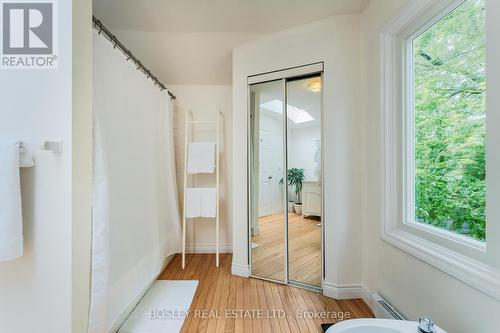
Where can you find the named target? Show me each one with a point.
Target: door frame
(284, 75)
(271, 201)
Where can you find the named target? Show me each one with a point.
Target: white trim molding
(240, 270)
(208, 248)
(461, 259)
(345, 291)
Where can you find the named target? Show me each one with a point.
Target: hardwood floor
(227, 303)
(304, 253)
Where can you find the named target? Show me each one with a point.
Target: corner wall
(334, 41)
(36, 106)
(82, 163)
(412, 286)
(47, 289)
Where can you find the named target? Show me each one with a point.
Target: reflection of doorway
(285, 141)
(265, 174)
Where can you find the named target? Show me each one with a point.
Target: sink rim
(411, 326)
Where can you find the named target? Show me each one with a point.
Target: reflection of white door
(265, 174)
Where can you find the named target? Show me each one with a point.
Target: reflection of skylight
(295, 114)
(298, 115)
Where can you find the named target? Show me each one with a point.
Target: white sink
(377, 326)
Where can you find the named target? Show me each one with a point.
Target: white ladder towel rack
(190, 121)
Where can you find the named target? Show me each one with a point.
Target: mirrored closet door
(267, 169)
(304, 179)
(285, 188)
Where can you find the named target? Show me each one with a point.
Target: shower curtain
(135, 210)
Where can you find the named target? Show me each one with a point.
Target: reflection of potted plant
(295, 178)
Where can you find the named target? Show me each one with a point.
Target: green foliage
(295, 178)
(450, 117)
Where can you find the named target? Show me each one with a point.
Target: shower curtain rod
(102, 29)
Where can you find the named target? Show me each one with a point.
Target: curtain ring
(99, 24)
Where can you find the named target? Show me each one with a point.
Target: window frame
(409, 136)
(460, 256)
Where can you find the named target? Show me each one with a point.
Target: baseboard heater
(382, 309)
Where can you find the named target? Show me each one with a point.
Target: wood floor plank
(247, 305)
(219, 290)
(224, 281)
(200, 295)
(238, 320)
(262, 305)
(292, 300)
(292, 320)
(307, 310)
(230, 325)
(313, 302)
(257, 323)
(208, 305)
(285, 324)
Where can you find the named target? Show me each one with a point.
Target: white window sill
(450, 236)
(472, 272)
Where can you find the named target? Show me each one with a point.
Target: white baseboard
(351, 292)
(367, 298)
(346, 292)
(208, 248)
(240, 270)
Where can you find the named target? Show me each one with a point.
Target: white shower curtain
(136, 217)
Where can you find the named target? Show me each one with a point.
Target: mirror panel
(266, 166)
(304, 180)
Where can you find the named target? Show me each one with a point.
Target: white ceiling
(249, 16)
(190, 58)
(190, 41)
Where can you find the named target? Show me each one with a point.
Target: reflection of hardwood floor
(304, 252)
(219, 291)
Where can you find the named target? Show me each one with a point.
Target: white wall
(414, 287)
(203, 101)
(335, 41)
(36, 105)
(302, 147)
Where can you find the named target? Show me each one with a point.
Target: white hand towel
(193, 203)
(201, 202)
(208, 202)
(201, 157)
(11, 225)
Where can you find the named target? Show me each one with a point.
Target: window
(446, 110)
(433, 138)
